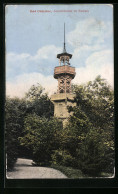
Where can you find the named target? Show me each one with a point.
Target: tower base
(61, 101)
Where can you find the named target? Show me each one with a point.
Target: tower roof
(64, 54)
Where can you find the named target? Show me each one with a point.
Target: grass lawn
(69, 172)
(76, 173)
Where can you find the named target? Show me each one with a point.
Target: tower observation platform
(62, 70)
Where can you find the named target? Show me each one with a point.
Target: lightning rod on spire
(64, 50)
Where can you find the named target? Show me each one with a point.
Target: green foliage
(94, 155)
(92, 128)
(97, 101)
(38, 102)
(63, 157)
(35, 102)
(41, 137)
(15, 110)
(85, 143)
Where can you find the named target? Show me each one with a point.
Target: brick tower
(64, 73)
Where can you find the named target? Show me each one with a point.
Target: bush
(63, 157)
(69, 171)
(40, 136)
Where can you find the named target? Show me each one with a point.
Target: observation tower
(64, 73)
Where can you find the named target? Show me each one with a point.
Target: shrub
(63, 157)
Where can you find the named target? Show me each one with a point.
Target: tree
(93, 121)
(97, 100)
(40, 135)
(14, 113)
(87, 142)
(38, 102)
(35, 102)
(95, 154)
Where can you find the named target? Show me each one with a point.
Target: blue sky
(33, 39)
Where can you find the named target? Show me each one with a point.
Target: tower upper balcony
(65, 69)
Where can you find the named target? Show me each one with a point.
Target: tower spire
(64, 49)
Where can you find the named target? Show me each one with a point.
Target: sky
(34, 35)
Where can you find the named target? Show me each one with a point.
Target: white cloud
(24, 70)
(101, 58)
(98, 63)
(80, 55)
(89, 31)
(23, 83)
(17, 64)
(92, 41)
(47, 52)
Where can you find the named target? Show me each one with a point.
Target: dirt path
(23, 169)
